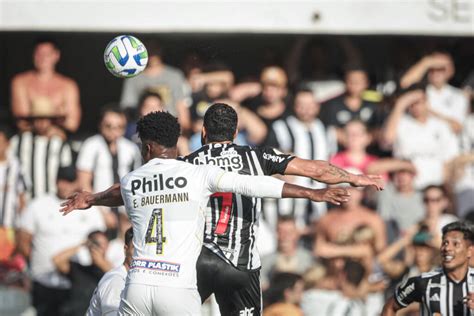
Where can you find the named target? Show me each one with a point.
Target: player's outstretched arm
(330, 195)
(325, 172)
(111, 197)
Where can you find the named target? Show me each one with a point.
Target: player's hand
(77, 201)
(362, 180)
(331, 195)
(469, 300)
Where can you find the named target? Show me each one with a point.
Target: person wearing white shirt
(420, 137)
(44, 232)
(106, 298)
(166, 201)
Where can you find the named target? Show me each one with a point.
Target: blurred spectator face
(66, 188)
(357, 194)
(424, 255)
(306, 107)
(98, 241)
(151, 104)
(440, 75)
(41, 126)
(216, 89)
(295, 294)
(419, 109)
(45, 57)
(403, 180)
(112, 126)
(287, 235)
(357, 137)
(274, 81)
(356, 82)
(435, 201)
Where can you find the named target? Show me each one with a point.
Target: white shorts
(145, 300)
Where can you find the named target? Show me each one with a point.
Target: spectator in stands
(356, 139)
(108, 293)
(84, 265)
(304, 135)
(290, 257)
(437, 205)
(270, 102)
(446, 102)
(44, 232)
(149, 102)
(399, 204)
(348, 217)
(12, 195)
(284, 295)
(420, 137)
(351, 105)
(44, 85)
(163, 79)
(40, 152)
(106, 157)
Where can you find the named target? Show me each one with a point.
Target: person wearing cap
(43, 232)
(41, 151)
(44, 84)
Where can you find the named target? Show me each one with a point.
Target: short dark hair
(286, 218)
(279, 283)
(94, 233)
(460, 226)
(148, 94)
(354, 67)
(66, 173)
(47, 40)
(153, 48)
(110, 108)
(159, 127)
(6, 130)
(129, 236)
(220, 122)
(438, 187)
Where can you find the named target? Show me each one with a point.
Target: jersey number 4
(154, 233)
(225, 200)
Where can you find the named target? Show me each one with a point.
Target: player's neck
(223, 142)
(459, 274)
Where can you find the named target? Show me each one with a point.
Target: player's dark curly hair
(220, 122)
(463, 227)
(159, 127)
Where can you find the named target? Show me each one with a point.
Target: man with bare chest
(44, 85)
(337, 226)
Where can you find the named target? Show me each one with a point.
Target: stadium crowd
(317, 259)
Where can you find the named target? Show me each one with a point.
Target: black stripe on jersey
(290, 133)
(46, 165)
(32, 164)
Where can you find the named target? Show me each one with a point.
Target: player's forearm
(111, 197)
(254, 186)
(319, 170)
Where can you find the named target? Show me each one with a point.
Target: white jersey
(107, 294)
(166, 200)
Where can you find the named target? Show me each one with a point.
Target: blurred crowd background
(401, 107)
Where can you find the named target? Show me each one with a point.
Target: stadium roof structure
(351, 17)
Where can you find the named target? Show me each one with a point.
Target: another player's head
(440, 75)
(46, 55)
(159, 133)
(112, 123)
(220, 124)
(128, 247)
(456, 247)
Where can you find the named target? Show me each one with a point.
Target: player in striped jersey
(445, 291)
(166, 201)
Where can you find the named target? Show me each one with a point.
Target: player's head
(98, 240)
(456, 246)
(435, 198)
(159, 133)
(286, 287)
(220, 124)
(444, 70)
(274, 84)
(46, 54)
(112, 123)
(128, 247)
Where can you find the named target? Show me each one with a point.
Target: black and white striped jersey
(12, 184)
(40, 157)
(232, 220)
(436, 293)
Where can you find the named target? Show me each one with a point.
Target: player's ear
(203, 133)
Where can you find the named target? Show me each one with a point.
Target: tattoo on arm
(338, 173)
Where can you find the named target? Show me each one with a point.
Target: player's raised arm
(323, 171)
(264, 186)
(84, 200)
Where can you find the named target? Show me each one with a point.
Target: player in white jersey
(107, 295)
(166, 201)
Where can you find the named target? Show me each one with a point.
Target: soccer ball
(125, 56)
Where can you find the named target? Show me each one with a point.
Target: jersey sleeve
(272, 160)
(409, 291)
(85, 159)
(111, 296)
(219, 180)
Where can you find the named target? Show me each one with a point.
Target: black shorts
(237, 292)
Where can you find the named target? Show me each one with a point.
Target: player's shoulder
(431, 274)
